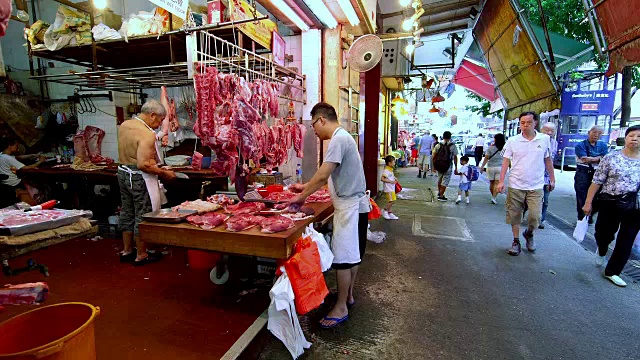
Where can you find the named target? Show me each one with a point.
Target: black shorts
(135, 200)
(363, 225)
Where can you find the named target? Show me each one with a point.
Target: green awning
(569, 53)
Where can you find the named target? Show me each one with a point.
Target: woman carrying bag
(619, 177)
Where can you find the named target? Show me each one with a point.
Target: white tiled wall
(106, 120)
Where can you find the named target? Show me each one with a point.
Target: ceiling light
(405, 2)
(418, 32)
(438, 98)
(290, 14)
(349, 11)
(23, 15)
(319, 9)
(100, 4)
(433, 109)
(397, 100)
(408, 23)
(410, 48)
(473, 13)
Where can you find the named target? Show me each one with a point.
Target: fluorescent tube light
(320, 10)
(349, 11)
(290, 14)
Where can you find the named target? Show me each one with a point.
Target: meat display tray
(63, 218)
(157, 216)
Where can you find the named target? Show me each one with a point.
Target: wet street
(443, 287)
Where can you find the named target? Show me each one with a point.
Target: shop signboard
(278, 48)
(590, 101)
(260, 31)
(176, 7)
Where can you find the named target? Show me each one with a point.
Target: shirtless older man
(138, 178)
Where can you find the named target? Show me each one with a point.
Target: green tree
(484, 106)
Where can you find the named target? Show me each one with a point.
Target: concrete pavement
(443, 287)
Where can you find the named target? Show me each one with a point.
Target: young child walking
(465, 183)
(389, 180)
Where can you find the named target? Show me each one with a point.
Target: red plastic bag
(305, 272)
(398, 188)
(375, 212)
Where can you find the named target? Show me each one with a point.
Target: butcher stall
(24, 230)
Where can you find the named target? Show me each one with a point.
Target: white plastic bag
(326, 256)
(377, 237)
(283, 319)
(581, 229)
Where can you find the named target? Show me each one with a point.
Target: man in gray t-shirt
(342, 170)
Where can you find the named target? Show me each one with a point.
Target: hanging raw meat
(274, 106)
(79, 147)
(164, 99)
(93, 143)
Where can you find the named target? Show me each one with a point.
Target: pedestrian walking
(548, 128)
(433, 145)
(478, 149)
(618, 178)
(390, 181)
(465, 183)
(415, 142)
(589, 152)
(445, 161)
(493, 163)
(529, 155)
(424, 155)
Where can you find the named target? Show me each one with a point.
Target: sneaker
(516, 248)
(541, 226)
(468, 200)
(419, 175)
(442, 198)
(393, 217)
(531, 245)
(616, 280)
(458, 199)
(385, 214)
(599, 259)
(424, 176)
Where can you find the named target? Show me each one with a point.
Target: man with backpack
(445, 154)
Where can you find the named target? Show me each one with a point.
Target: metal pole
(546, 36)
(593, 28)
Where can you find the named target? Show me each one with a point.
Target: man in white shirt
(10, 165)
(478, 149)
(529, 154)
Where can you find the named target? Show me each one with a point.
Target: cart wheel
(219, 279)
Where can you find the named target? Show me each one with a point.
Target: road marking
(442, 228)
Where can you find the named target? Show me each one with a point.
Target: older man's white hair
(596, 128)
(154, 106)
(549, 125)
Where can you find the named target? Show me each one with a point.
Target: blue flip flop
(337, 320)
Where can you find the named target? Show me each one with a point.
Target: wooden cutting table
(251, 242)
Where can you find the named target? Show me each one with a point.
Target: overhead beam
(432, 10)
(453, 18)
(408, 35)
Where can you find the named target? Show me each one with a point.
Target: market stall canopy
(515, 59)
(569, 53)
(619, 22)
(476, 79)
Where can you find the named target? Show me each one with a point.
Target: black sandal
(151, 258)
(130, 257)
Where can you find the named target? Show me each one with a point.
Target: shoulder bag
(623, 202)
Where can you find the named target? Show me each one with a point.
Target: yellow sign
(259, 32)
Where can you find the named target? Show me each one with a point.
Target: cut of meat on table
(30, 218)
(221, 199)
(243, 222)
(198, 205)
(320, 196)
(208, 220)
(297, 216)
(277, 224)
(24, 294)
(281, 196)
(245, 208)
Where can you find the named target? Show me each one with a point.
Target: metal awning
(515, 59)
(619, 22)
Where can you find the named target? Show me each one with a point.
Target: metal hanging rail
(229, 57)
